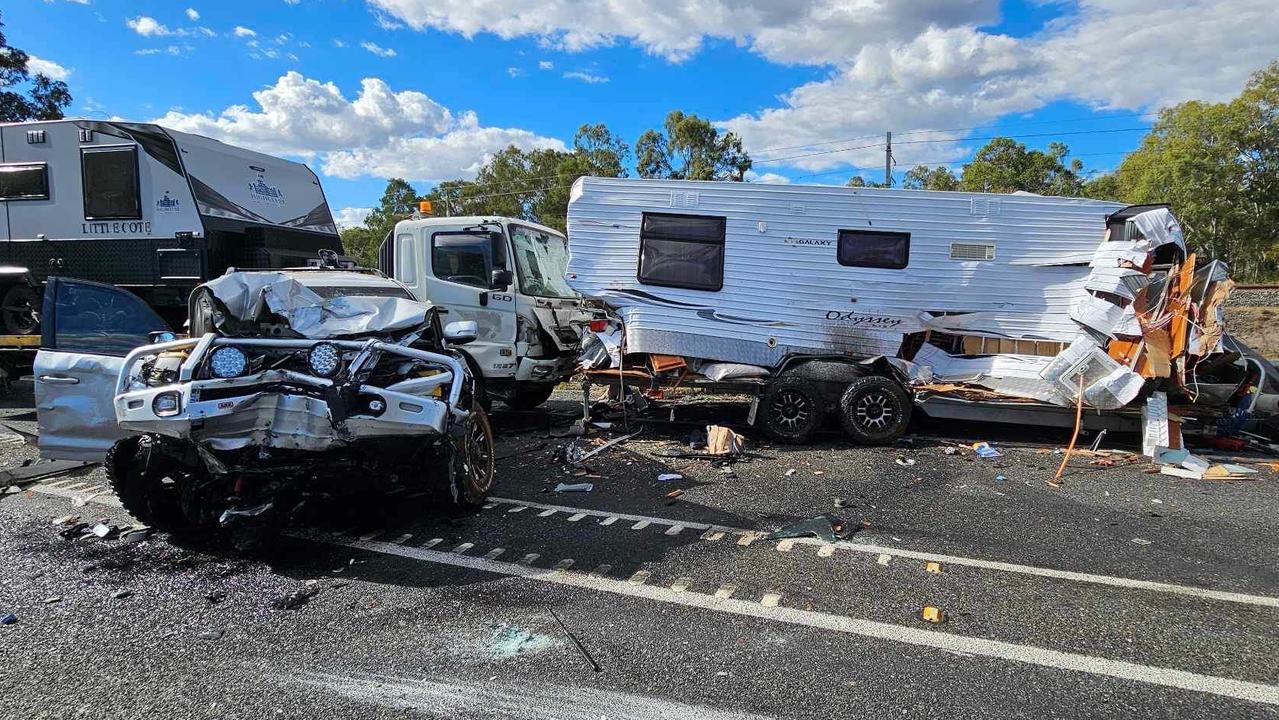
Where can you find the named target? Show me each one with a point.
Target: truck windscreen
(541, 259)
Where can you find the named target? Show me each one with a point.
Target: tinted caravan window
(684, 251)
(111, 184)
(24, 181)
(874, 249)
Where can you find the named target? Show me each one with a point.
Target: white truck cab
(508, 276)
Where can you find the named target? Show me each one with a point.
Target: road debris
(905, 462)
(296, 599)
(933, 567)
(121, 594)
(933, 615)
(723, 441)
(577, 643)
(669, 477)
(8, 619)
(52, 600)
(986, 450)
(574, 487)
(827, 528)
(674, 493)
(611, 443)
(790, 472)
(1142, 541)
(508, 641)
(212, 634)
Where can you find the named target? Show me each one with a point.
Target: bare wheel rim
(875, 411)
(791, 409)
(477, 455)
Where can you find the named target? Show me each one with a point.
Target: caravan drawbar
(144, 207)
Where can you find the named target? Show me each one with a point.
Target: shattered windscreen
(542, 259)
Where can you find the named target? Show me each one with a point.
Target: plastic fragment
(986, 450)
(933, 615)
(669, 477)
(574, 487)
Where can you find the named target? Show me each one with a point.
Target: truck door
(87, 329)
(459, 273)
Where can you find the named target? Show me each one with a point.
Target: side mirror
(461, 332)
(161, 336)
(500, 279)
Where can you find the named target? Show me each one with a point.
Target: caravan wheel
(791, 410)
(875, 410)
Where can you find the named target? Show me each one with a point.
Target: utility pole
(888, 159)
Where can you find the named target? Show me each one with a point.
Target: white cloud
(546, 65)
(283, 38)
(514, 71)
(241, 31)
(48, 68)
(586, 77)
(193, 14)
(956, 77)
(147, 26)
(292, 2)
(805, 31)
(350, 217)
(174, 50)
(378, 49)
(338, 43)
(381, 133)
(766, 178)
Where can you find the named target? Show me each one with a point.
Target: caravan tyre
(791, 410)
(875, 410)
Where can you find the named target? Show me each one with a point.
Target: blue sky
(428, 88)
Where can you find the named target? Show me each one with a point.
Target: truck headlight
(167, 404)
(228, 362)
(324, 359)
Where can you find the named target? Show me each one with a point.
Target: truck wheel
(528, 397)
(140, 477)
(875, 410)
(20, 310)
(471, 458)
(791, 410)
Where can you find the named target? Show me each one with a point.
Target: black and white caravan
(144, 207)
(859, 302)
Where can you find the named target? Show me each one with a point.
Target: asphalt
(399, 629)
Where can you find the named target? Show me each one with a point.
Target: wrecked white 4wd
(294, 386)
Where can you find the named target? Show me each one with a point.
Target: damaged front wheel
(148, 483)
(471, 459)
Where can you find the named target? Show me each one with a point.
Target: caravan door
(458, 274)
(87, 329)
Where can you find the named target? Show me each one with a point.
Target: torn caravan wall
(248, 296)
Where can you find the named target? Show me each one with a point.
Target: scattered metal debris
(296, 599)
(827, 528)
(577, 643)
(574, 487)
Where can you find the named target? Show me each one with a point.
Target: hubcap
(875, 411)
(791, 409)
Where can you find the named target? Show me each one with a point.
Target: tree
(1004, 165)
(1217, 164)
(690, 148)
(922, 177)
(43, 100)
(399, 200)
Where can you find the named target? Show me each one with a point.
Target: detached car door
(86, 330)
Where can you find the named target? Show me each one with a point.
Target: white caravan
(145, 207)
(507, 275)
(1017, 296)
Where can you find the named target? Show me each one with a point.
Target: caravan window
(111, 183)
(684, 251)
(24, 181)
(463, 257)
(874, 249)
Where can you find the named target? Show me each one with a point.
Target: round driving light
(324, 359)
(376, 406)
(166, 404)
(228, 362)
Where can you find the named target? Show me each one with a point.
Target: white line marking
(463, 548)
(489, 505)
(939, 640)
(785, 545)
(640, 577)
(726, 591)
(770, 600)
(609, 520)
(494, 553)
(674, 529)
(681, 583)
(432, 543)
(884, 559)
(712, 535)
(371, 535)
(640, 525)
(564, 564)
(530, 558)
(826, 550)
(402, 539)
(602, 570)
(518, 508)
(575, 518)
(996, 565)
(547, 513)
(746, 539)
